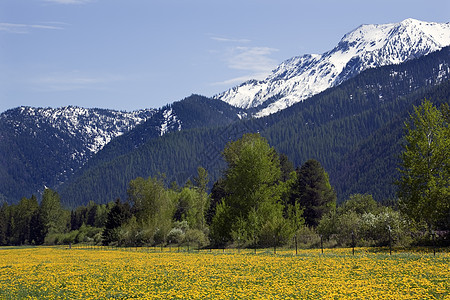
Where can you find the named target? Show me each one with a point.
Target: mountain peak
(367, 46)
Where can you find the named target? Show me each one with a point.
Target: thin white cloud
(26, 28)
(75, 80)
(251, 62)
(255, 59)
(68, 1)
(229, 40)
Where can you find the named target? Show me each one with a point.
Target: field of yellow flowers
(62, 273)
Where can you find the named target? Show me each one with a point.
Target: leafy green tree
(253, 171)
(154, 207)
(369, 223)
(275, 230)
(201, 184)
(360, 204)
(191, 208)
(313, 191)
(251, 184)
(424, 186)
(53, 218)
(221, 224)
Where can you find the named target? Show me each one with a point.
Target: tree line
(260, 200)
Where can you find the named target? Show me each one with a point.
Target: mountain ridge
(367, 46)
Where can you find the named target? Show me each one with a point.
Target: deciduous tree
(424, 186)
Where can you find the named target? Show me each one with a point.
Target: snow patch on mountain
(93, 128)
(368, 46)
(170, 122)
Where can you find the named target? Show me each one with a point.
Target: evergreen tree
(119, 214)
(287, 167)
(313, 192)
(218, 193)
(3, 224)
(24, 212)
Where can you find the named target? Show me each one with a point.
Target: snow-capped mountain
(93, 128)
(368, 46)
(45, 146)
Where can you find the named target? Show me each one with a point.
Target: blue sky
(137, 54)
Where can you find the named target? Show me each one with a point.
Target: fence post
(353, 243)
(321, 243)
(434, 242)
(390, 240)
(274, 245)
(296, 245)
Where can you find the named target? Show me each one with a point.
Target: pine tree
(119, 214)
(313, 192)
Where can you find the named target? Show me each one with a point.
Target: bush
(196, 237)
(176, 236)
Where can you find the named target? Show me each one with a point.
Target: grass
(148, 273)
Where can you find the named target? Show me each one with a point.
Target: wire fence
(301, 244)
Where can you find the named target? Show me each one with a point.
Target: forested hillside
(371, 167)
(326, 127)
(43, 146)
(194, 111)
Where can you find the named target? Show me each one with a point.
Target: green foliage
(192, 206)
(313, 192)
(177, 234)
(53, 217)
(360, 204)
(253, 170)
(221, 224)
(361, 219)
(152, 202)
(251, 212)
(196, 237)
(424, 186)
(119, 214)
